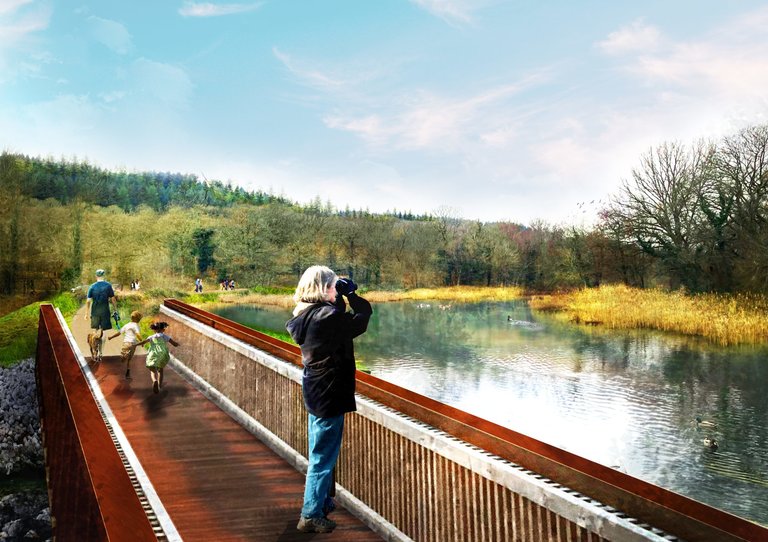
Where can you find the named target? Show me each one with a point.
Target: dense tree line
(72, 181)
(693, 216)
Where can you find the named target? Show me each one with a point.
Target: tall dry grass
(459, 294)
(723, 319)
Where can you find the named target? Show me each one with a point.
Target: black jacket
(324, 331)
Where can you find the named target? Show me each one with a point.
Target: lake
(626, 399)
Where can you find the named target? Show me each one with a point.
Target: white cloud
(111, 34)
(8, 6)
(114, 96)
(723, 74)
(725, 68)
(169, 84)
(206, 9)
(15, 24)
(563, 156)
(451, 11)
(307, 73)
(340, 80)
(428, 121)
(637, 37)
(18, 22)
(501, 137)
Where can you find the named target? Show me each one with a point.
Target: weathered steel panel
(91, 495)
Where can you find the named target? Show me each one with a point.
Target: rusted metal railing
(90, 493)
(426, 486)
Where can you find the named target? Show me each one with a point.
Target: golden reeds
(724, 319)
(460, 294)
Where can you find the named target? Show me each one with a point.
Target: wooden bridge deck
(216, 480)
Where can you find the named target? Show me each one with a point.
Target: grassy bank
(723, 319)
(18, 329)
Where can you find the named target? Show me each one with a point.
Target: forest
(689, 215)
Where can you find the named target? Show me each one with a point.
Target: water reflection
(625, 399)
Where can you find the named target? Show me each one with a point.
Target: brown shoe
(316, 525)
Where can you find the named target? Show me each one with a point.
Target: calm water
(625, 399)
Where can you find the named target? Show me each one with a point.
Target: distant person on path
(198, 285)
(232, 284)
(324, 331)
(136, 284)
(131, 336)
(100, 295)
(157, 353)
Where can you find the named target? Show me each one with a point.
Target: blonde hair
(136, 316)
(313, 284)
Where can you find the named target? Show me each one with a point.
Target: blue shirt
(100, 292)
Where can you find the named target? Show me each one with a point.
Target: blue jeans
(324, 444)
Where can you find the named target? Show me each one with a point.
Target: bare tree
(662, 206)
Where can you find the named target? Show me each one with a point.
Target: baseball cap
(100, 272)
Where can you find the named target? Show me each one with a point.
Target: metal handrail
(657, 506)
(91, 495)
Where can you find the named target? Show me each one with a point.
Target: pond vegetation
(722, 318)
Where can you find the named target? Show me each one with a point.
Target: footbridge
(219, 454)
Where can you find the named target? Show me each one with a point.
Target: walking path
(216, 480)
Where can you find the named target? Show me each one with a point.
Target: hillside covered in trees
(689, 215)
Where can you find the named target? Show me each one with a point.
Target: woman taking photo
(324, 331)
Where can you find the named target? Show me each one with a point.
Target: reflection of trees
(271, 318)
(464, 347)
(439, 336)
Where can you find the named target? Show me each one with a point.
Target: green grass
(199, 299)
(162, 293)
(18, 330)
(282, 335)
(272, 290)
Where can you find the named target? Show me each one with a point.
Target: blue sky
(493, 109)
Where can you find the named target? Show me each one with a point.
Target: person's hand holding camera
(345, 286)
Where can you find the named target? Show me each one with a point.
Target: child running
(157, 353)
(131, 337)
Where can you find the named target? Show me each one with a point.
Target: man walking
(100, 295)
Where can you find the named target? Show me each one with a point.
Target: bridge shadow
(157, 404)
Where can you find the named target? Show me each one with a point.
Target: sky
(492, 110)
